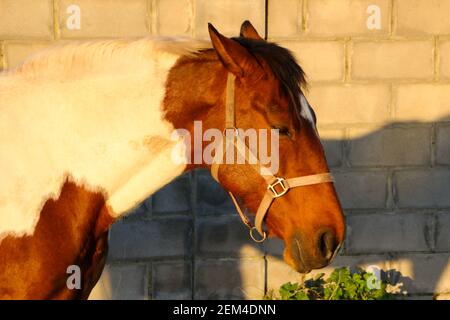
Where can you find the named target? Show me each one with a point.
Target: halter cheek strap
(276, 186)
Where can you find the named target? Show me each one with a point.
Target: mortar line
(304, 11)
(392, 19)
(380, 81)
(237, 259)
(390, 203)
(434, 232)
(392, 101)
(194, 15)
(395, 199)
(149, 275)
(194, 187)
(436, 59)
(191, 18)
(348, 52)
(2, 56)
(345, 149)
(151, 18)
(56, 26)
(433, 146)
(266, 274)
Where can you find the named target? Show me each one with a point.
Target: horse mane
(73, 60)
(284, 67)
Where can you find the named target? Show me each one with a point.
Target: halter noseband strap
(276, 186)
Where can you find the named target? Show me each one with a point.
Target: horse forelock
(286, 70)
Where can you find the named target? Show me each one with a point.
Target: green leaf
(341, 284)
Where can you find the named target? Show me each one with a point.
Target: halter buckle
(257, 239)
(278, 182)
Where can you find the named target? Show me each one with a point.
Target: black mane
(285, 68)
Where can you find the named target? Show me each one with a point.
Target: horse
(87, 133)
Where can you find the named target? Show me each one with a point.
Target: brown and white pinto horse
(86, 134)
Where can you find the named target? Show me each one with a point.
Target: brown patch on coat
(156, 143)
(72, 230)
(151, 143)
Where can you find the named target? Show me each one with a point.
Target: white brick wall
(350, 103)
(382, 98)
(343, 18)
(106, 18)
(321, 60)
(226, 15)
(30, 19)
(392, 60)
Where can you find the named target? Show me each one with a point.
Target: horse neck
(196, 93)
(111, 138)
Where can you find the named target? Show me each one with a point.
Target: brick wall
(382, 96)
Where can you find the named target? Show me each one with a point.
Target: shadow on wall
(186, 241)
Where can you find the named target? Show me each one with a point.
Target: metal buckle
(282, 183)
(258, 240)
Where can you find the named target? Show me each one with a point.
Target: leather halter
(276, 186)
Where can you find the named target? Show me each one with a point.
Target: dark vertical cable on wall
(266, 15)
(193, 179)
(266, 18)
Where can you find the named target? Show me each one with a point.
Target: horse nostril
(327, 244)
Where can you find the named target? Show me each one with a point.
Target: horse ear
(249, 31)
(234, 57)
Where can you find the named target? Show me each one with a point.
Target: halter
(276, 186)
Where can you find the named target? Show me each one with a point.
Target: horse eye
(284, 131)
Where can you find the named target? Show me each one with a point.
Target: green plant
(340, 285)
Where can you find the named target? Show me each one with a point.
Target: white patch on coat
(306, 111)
(86, 110)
